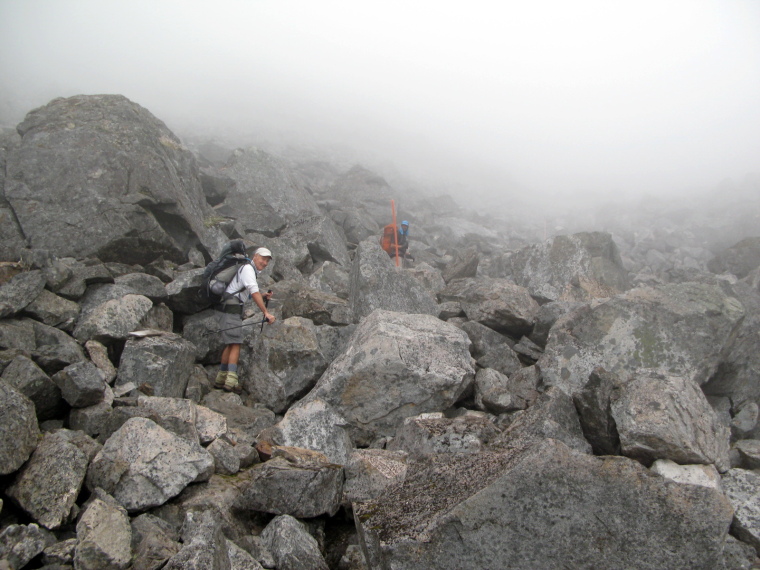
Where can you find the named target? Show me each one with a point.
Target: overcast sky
(549, 96)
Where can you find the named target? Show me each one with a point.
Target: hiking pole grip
(266, 304)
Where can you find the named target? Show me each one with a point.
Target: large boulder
(291, 545)
(375, 283)
(165, 362)
(100, 175)
(257, 176)
(105, 535)
(142, 465)
(541, 506)
(18, 428)
(395, 366)
(496, 303)
(578, 267)
(21, 290)
(284, 362)
(679, 329)
(29, 379)
(322, 237)
(741, 259)
(12, 240)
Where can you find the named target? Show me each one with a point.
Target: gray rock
(266, 184)
(330, 277)
(226, 460)
(240, 559)
(547, 315)
(159, 318)
(53, 310)
(61, 554)
(104, 534)
(370, 472)
(705, 475)
(496, 303)
(668, 417)
(464, 265)
(20, 543)
(154, 542)
(177, 415)
(579, 267)
(165, 362)
(243, 423)
(204, 546)
(317, 426)
(541, 506)
(742, 487)
(749, 453)
(738, 555)
(98, 354)
(142, 465)
(322, 237)
(594, 405)
(49, 484)
(283, 363)
(143, 284)
(304, 489)
(291, 545)
(319, 307)
(552, 416)
(491, 349)
(428, 435)
(377, 284)
(183, 292)
(202, 330)
(120, 184)
(394, 366)
(740, 259)
(21, 290)
(357, 224)
(113, 320)
(19, 431)
(29, 379)
(54, 349)
(17, 334)
(82, 384)
(678, 329)
(495, 393)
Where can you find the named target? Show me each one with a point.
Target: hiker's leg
(231, 383)
(231, 354)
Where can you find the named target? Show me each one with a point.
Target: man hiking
(230, 313)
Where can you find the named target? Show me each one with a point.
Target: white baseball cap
(263, 252)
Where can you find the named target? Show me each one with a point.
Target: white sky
(556, 96)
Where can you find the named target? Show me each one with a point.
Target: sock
(224, 367)
(232, 367)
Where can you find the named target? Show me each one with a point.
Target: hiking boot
(221, 378)
(232, 384)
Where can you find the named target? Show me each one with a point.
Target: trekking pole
(266, 305)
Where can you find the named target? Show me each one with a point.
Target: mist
(549, 99)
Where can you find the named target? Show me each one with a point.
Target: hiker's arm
(259, 300)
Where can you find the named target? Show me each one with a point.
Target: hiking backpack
(218, 275)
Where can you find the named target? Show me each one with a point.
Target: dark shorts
(230, 325)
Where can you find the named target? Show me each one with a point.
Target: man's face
(260, 262)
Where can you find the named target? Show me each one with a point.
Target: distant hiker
(230, 312)
(403, 239)
(396, 237)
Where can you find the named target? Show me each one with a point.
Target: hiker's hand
(266, 296)
(269, 318)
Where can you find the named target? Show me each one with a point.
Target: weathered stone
(143, 284)
(742, 487)
(370, 472)
(541, 506)
(142, 465)
(291, 545)
(82, 384)
(464, 265)
(183, 292)
(495, 393)
(154, 541)
(204, 546)
(53, 310)
(113, 320)
(98, 354)
(377, 284)
(593, 403)
(749, 453)
(668, 417)
(491, 349)
(21, 290)
(395, 366)
(331, 277)
(428, 435)
(29, 379)
(678, 329)
(54, 349)
(283, 363)
(117, 183)
(319, 307)
(165, 362)
(202, 329)
(740, 259)
(304, 490)
(243, 423)
(49, 484)
(61, 554)
(177, 415)
(19, 544)
(496, 303)
(104, 534)
(226, 461)
(705, 475)
(18, 428)
(578, 267)
(547, 315)
(314, 425)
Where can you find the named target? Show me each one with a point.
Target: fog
(543, 98)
